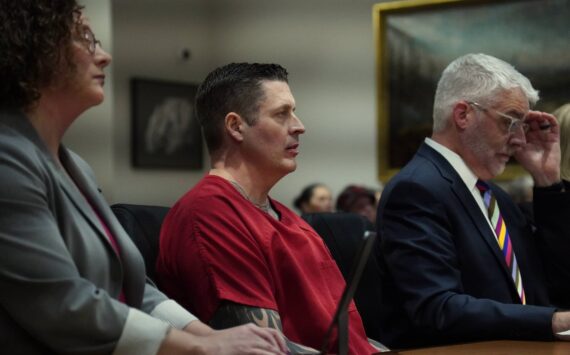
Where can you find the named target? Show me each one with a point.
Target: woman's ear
(234, 126)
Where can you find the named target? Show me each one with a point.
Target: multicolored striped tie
(502, 235)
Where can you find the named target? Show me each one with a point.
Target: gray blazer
(60, 277)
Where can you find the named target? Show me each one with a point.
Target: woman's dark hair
(35, 44)
(305, 196)
(350, 195)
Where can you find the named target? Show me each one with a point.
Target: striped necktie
(502, 234)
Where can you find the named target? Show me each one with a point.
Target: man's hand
(540, 156)
(561, 324)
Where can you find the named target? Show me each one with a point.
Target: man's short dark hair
(235, 87)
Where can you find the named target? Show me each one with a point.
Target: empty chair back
(142, 223)
(342, 233)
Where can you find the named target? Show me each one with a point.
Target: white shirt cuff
(173, 313)
(142, 334)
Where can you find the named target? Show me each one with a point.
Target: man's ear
(234, 125)
(460, 115)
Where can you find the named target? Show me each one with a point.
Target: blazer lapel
(128, 252)
(78, 191)
(470, 206)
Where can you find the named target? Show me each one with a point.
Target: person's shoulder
(211, 195)
(20, 154)
(419, 171)
(420, 180)
(14, 143)
(25, 169)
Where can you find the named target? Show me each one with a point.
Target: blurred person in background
(562, 114)
(314, 198)
(358, 199)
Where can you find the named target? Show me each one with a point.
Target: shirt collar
(456, 162)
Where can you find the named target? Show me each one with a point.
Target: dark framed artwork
(165, 132)
(416, 39)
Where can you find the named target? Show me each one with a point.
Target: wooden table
(501, 347)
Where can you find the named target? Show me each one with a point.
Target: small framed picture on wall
(165, 131)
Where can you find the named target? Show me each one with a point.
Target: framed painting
(416, 39)
(165, 131)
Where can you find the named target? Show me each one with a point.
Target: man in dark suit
(450, 272)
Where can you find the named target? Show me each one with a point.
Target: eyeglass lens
(514, 123)
(91, 40)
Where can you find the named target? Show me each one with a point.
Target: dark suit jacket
(444, 278)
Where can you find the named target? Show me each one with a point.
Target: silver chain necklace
(265, 207)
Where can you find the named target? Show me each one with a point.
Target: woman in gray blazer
(71, 281)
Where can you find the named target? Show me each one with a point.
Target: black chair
(342, 233)
(142, 224)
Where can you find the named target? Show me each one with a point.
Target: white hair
(476, 77)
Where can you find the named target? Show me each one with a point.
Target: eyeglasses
(90, 39)
(513, 122)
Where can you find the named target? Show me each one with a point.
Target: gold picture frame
(416, 39)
